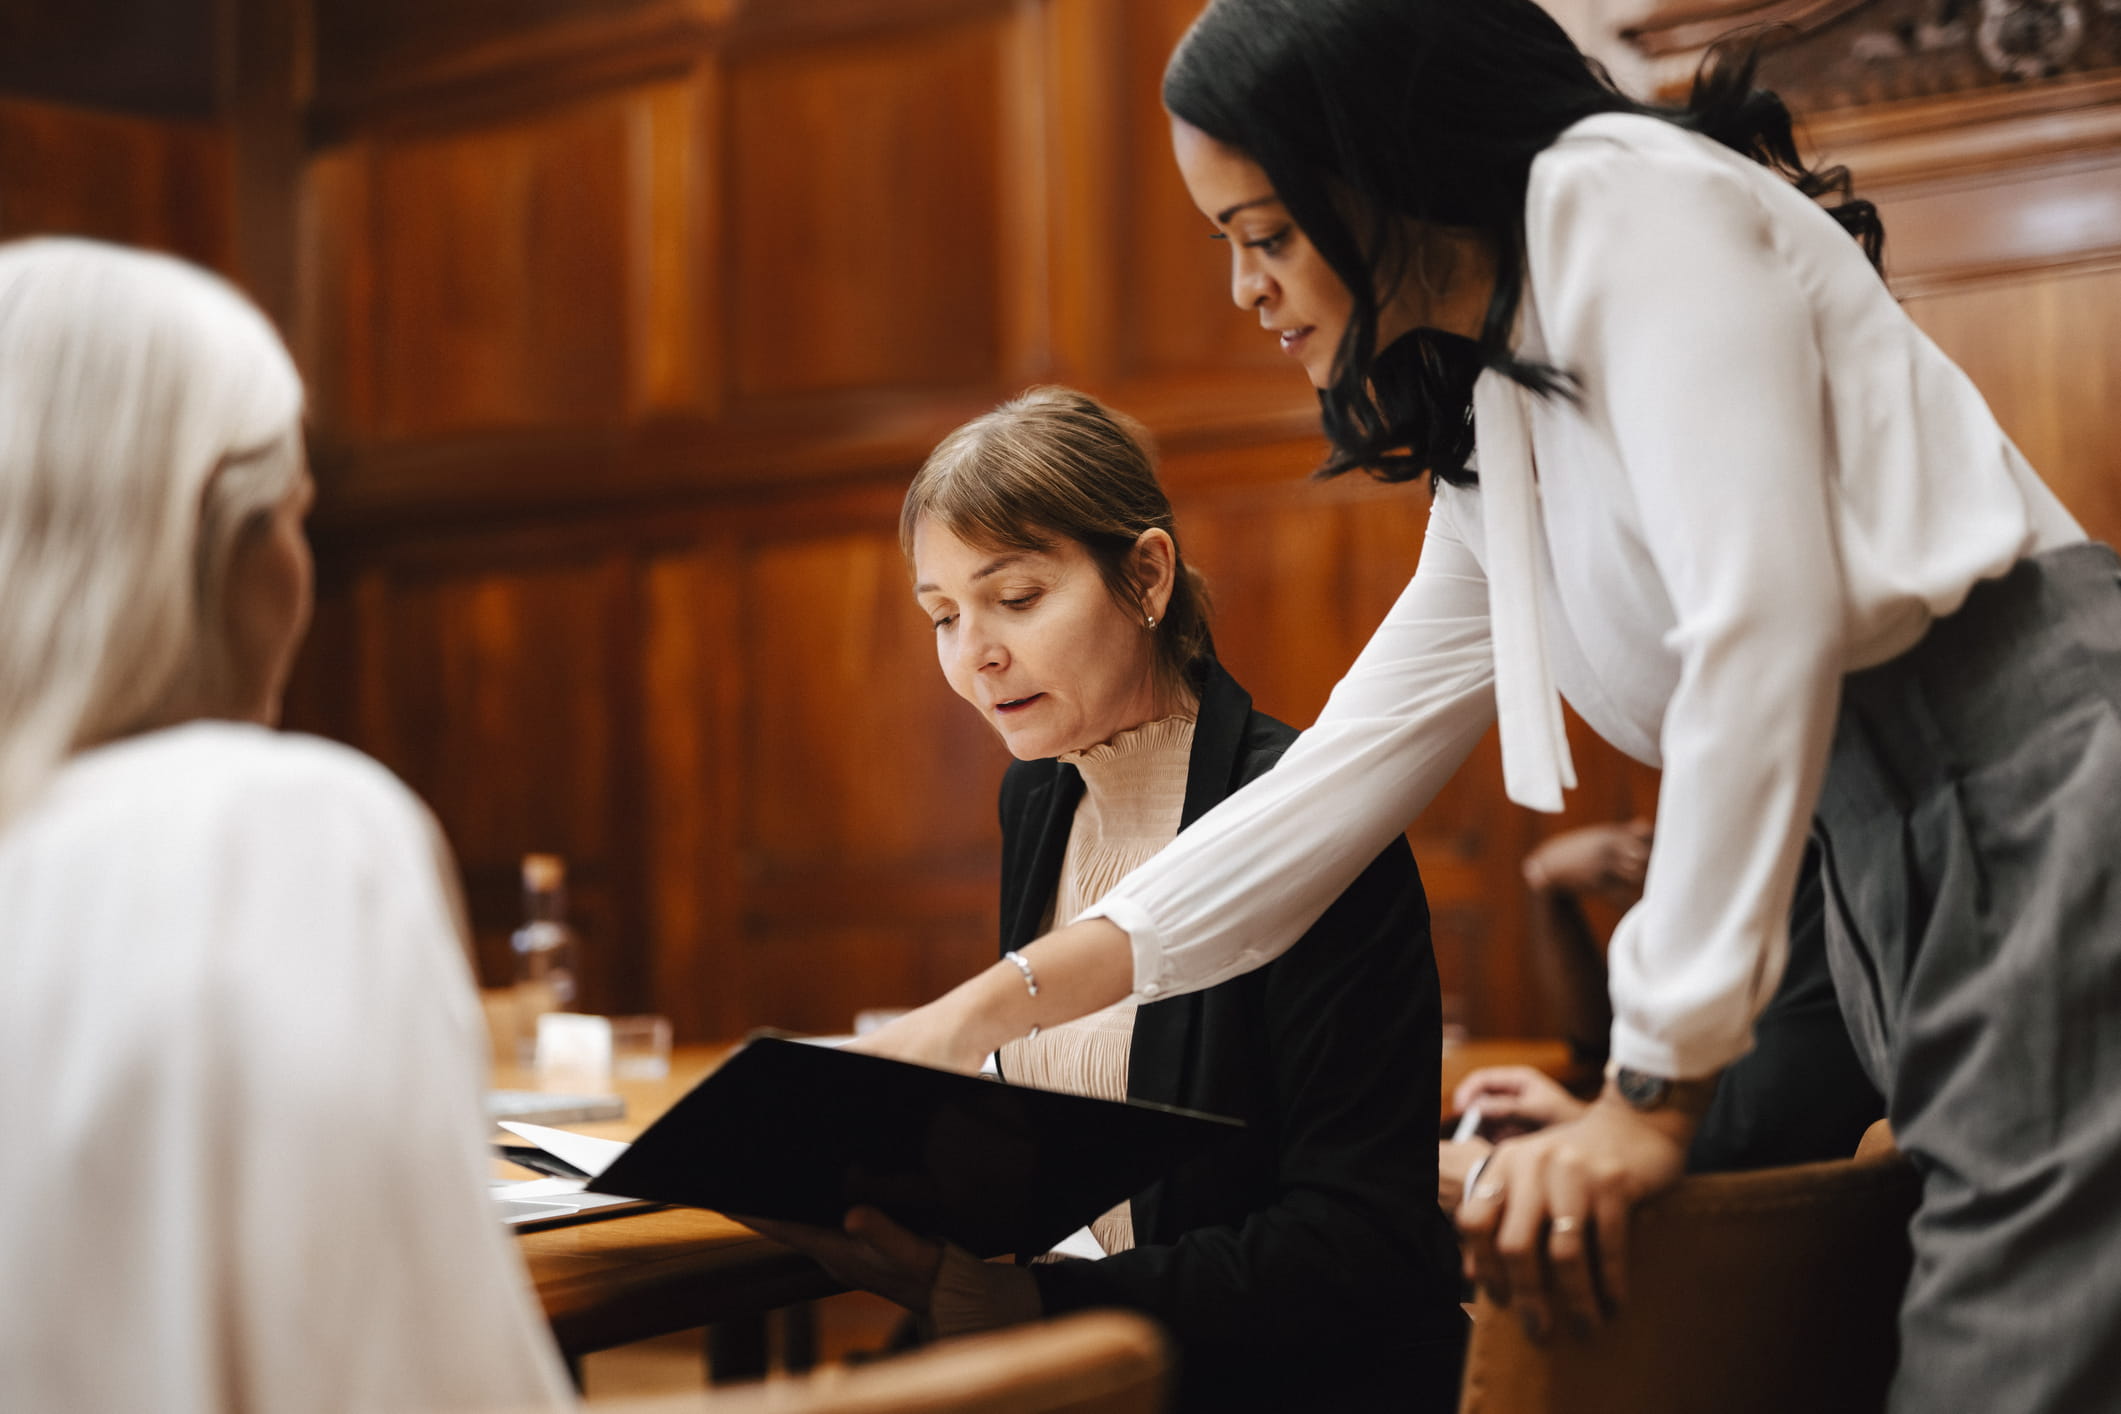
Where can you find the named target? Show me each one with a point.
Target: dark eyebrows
(1222, 218)
(992, 567)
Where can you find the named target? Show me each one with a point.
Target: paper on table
(540, 1190)
(1081, 1243)
(591, 1156)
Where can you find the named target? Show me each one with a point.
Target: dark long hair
(1435, 109)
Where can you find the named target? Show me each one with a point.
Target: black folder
(803, 1132)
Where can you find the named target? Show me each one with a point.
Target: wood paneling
(501, 693)
(371, 42)
(1174, 281)
(151, 182)
(2046, 350)
(152, 57)
(674, 265)
(868, 249)
(694, 718)
(500, 278)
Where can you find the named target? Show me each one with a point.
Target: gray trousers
(1970, 827)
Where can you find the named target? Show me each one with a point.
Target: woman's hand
(1514, 1099)
(1606, 859)
(928, 1035)
(872, 1252)
(1078, 969)
(1546, 1226)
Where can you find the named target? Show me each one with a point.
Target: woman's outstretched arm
(1247, 879)
(1081, 968)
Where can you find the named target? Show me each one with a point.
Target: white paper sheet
(1081, 1244)
(591, 1156)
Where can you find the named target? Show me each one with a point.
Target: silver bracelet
(1023, 965)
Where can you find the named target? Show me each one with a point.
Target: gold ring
(1561, 1225)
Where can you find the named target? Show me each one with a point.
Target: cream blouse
(1134, 793)
(244, 1109)
(1773, 479)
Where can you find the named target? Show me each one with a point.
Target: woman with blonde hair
(244, 1116)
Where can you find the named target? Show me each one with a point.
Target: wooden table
(647, 1274)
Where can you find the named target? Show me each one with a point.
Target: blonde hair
(1057, 464)
(148, 418)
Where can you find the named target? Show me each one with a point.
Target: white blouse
(243, 1117)
(1773, 478)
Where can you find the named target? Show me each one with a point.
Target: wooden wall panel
(694, 718)
(151, 182)
(505, 702)
(336, 324)
(500, 275)
(2046, 350)
(155, 57)
(1175, 281)
(866, 249)
(817, 978)
(676, 285)
(370, 42)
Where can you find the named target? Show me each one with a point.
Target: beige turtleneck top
(1134, 791)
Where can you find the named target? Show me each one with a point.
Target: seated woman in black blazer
(1308, 1267)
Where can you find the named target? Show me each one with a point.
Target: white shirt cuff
(1151, 969)
(1634, 1049)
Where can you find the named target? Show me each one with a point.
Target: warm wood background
(626, 320)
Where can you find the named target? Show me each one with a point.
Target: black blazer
(1307, 1264)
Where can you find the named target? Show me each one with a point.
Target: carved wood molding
(1692, 28)
(1988, 187)
(566, 57)
(762, 450)
(1932, 139)
(1829, 54)
(559, 59)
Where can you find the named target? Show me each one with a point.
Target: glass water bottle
(546, 951)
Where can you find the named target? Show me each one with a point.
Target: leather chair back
(1773, 1291)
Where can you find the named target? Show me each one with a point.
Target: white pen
(1468, 1125)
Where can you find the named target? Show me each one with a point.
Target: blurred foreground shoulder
(207, 775)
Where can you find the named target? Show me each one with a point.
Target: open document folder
(800, 1132)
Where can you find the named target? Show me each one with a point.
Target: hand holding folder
(870, 1252)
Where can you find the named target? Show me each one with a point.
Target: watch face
(1644, 1092)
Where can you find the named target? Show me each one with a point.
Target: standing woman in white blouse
(1737, 508)
(244, 1067)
